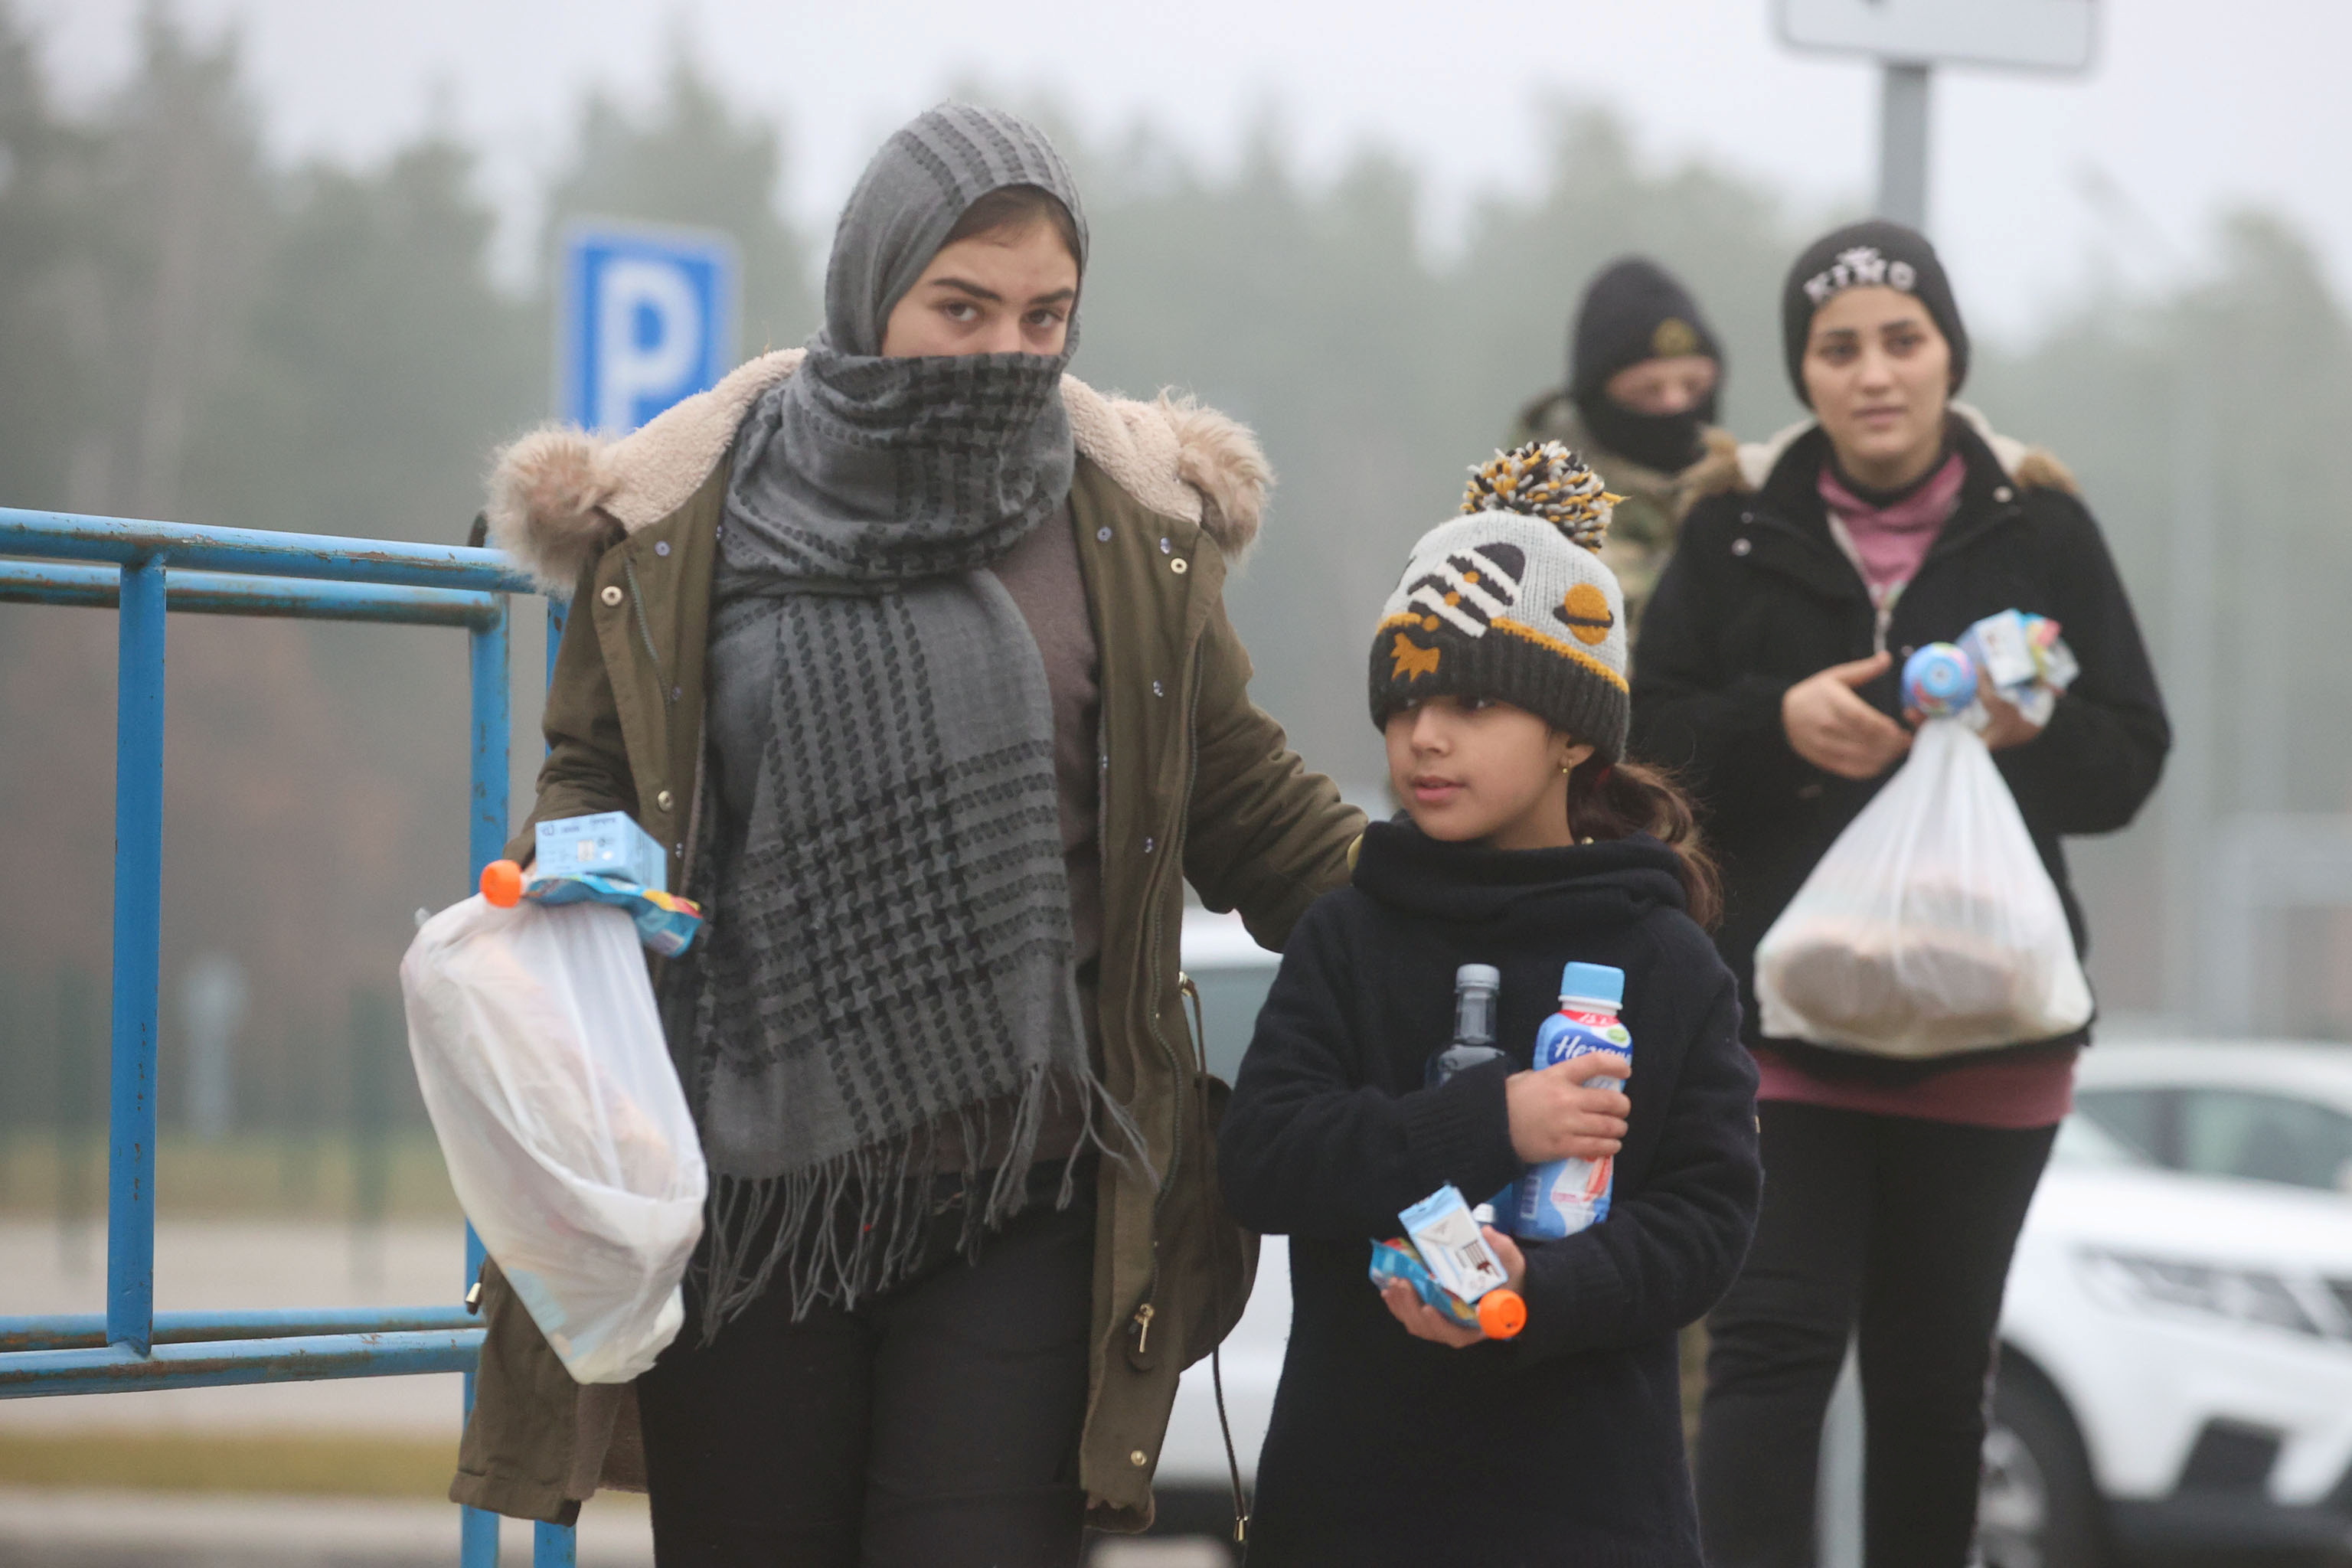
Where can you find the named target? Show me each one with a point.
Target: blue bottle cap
(1940, 681)
(1592, 983)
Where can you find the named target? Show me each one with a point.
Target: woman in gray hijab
(936, 634)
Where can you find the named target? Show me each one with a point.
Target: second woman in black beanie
(1875, 254)
(1809, 567)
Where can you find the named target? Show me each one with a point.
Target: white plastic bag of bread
(566, 1135)
(1930, 927)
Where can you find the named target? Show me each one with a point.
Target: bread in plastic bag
(1931, 926)
(560, 1120)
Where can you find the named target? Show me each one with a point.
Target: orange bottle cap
(1502, 1313)
(502, 883)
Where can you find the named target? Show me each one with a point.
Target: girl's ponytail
(1632, 797)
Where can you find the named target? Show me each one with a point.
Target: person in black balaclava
(1644, 371)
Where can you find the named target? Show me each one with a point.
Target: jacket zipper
(1143, 1314)
(646, 630)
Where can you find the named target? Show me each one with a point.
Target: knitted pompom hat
(1509, 601)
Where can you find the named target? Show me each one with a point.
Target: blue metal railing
(145, 571)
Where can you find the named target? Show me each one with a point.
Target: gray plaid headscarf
(890, 953)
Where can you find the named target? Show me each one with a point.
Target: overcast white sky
(2193, 106)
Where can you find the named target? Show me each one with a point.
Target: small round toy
(1940, 681)
(502, 883)
(1502, 1312)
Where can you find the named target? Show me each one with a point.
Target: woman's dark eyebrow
(993, 297)
(974, 289)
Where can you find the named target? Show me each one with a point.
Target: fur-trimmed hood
(558, 494)
(1740, 468)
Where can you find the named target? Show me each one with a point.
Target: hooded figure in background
(1645, 369)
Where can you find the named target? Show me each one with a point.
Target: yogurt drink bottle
(1561, 1197)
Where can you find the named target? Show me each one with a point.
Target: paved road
(257, 1263)
(131, 1530)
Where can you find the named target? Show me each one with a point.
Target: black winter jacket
(1759, 597)
(1564, 1446)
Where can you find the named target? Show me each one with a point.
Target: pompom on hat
(1509, 601)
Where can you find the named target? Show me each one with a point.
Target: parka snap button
(1741, 546)
(1158, 690)
(1103, 534)
(1165, 547)
(611, 595)
(2004, 494)
(665, 800)
(1149, 845)
(1138, 1458)
(1180, 566)
(661, 546)
(676, 692)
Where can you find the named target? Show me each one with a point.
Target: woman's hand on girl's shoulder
(1423, 1321)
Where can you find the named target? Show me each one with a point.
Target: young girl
(1499, 677)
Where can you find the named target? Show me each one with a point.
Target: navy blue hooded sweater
(1564, 1446)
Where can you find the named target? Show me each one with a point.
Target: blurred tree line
(189, 331)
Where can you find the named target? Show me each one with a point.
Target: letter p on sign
(645, 317)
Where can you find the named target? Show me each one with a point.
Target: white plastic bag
(1930, 927)
(560, 1120)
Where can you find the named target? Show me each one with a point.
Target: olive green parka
(1198, 785)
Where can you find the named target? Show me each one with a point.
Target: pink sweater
(1887, 544)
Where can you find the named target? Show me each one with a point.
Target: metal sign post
(1909, 38)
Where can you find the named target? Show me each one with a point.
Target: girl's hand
(1423, 1321)
(1555, 1117)
(1832, 728)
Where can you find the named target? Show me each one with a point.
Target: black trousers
(934, 1426)
(1900, 1228)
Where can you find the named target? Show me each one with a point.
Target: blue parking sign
(645, 316)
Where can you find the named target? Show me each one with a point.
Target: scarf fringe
(862, 1222)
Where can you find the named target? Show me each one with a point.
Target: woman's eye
(959, 311)
(1045, 321)
(1901, 344)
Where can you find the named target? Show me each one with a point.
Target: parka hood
(1742, 468)
(1606, 883)
(560, 494)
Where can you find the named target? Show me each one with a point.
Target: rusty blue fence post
(487, 662)
(137, 957)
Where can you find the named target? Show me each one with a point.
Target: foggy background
(281, 264)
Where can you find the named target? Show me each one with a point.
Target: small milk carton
(1450, 1245)
(609, 843)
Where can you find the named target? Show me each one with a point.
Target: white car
(2176, 1368)
(2176, 1375)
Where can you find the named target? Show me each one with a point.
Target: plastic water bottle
(1475, 986)
(1561, 1197)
